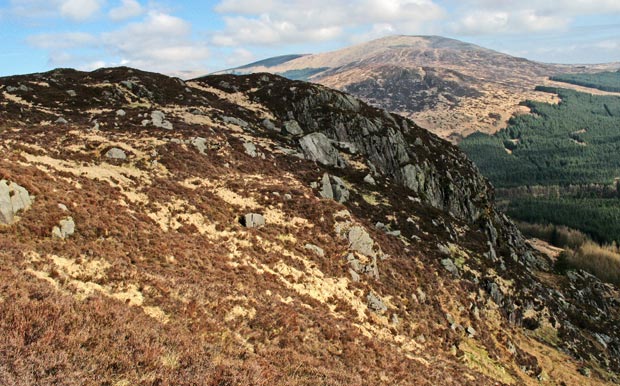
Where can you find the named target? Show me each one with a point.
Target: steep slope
(256, 230)
(450, 87)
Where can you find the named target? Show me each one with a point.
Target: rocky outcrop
(13, 199)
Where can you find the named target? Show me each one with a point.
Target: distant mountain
(448, 86)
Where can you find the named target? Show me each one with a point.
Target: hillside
(262, 231)
(448, 86)
(559, 164)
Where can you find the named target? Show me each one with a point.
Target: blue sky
(195, 37)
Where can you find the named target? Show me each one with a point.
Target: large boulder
(317, 147)
(13, 199)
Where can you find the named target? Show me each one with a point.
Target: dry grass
(601, 261)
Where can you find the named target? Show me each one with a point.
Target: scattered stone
(63, 207)
(288, 196)
(586, 372)
(120, 113)
(65, 228)
(61, 121)
(72, 93)
(253, 220)
(341, 193)
(375, 303)
(317, 147)
(316, 249)
(252, 151)
(395, 320)
(13, 198)
(292, 127)
(235, 121)
(326, 187)
(267, 124)
(354, 275)
(449, 265)
(200, 144)
(496, 293)
(360, 241)
(370, 180)
(158, 119)
(471, 332)
(116, 153)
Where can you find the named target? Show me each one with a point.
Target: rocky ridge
(248, 229)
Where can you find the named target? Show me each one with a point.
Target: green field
(573, 148)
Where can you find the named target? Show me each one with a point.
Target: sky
(191, 38)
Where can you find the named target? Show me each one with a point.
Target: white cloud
(279, 21)
(75, 10)
(161, 42)
(79, 10)
(126, 10)
(61, 40)
(497, 21)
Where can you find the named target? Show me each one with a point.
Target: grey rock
(360, 241)
(370, 180)
(158, 119)
(65, 228)
(496, 293)
(253, 220)
(341, 193)
(71, 93)
(63, 207)
(116, 153)
(375, 303)
(251, 150)
(317, 147)
(61, 121)
(200, 144)
(326, 187)
(354, 275)
(292, 127)
(120, 113)
(470, 331)
(315, 249)
(13, 199)
(288, 196)
(267, 124)
(235, 121)
(449, 265)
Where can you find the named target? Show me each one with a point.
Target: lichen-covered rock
(13, 199)
(326, 187)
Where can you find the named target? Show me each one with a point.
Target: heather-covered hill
(256, 230)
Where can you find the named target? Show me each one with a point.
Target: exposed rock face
(13, 199)
(317, 147)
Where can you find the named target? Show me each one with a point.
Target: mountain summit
(257, 230)
(451, 87)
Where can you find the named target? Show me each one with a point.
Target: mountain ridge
(396, 67)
